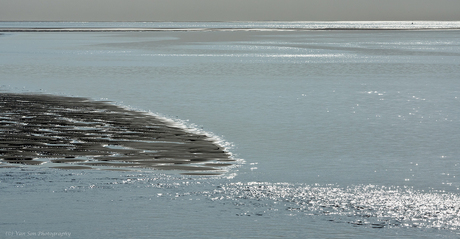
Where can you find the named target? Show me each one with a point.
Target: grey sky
(228, 10)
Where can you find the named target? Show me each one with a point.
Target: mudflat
(62, 132)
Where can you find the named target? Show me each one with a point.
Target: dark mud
(78, 133)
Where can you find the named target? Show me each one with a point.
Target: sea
(337, 129)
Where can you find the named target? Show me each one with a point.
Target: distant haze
(228, 10)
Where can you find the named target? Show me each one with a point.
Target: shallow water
(344, 134)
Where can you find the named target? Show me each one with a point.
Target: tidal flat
(77, 133)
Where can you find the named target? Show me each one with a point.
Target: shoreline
(215, 29)
(109, 26)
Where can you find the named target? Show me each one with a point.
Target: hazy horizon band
(225, 26)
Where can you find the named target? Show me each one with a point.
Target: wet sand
(76, 133)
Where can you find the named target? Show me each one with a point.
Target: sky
(229, 10)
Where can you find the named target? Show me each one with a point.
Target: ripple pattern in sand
(77, 133)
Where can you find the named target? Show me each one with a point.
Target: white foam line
(193, 129)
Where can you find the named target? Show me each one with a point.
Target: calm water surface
(340, 134)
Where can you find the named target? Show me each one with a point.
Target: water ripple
(367, 205)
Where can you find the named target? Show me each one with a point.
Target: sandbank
(78, 133)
